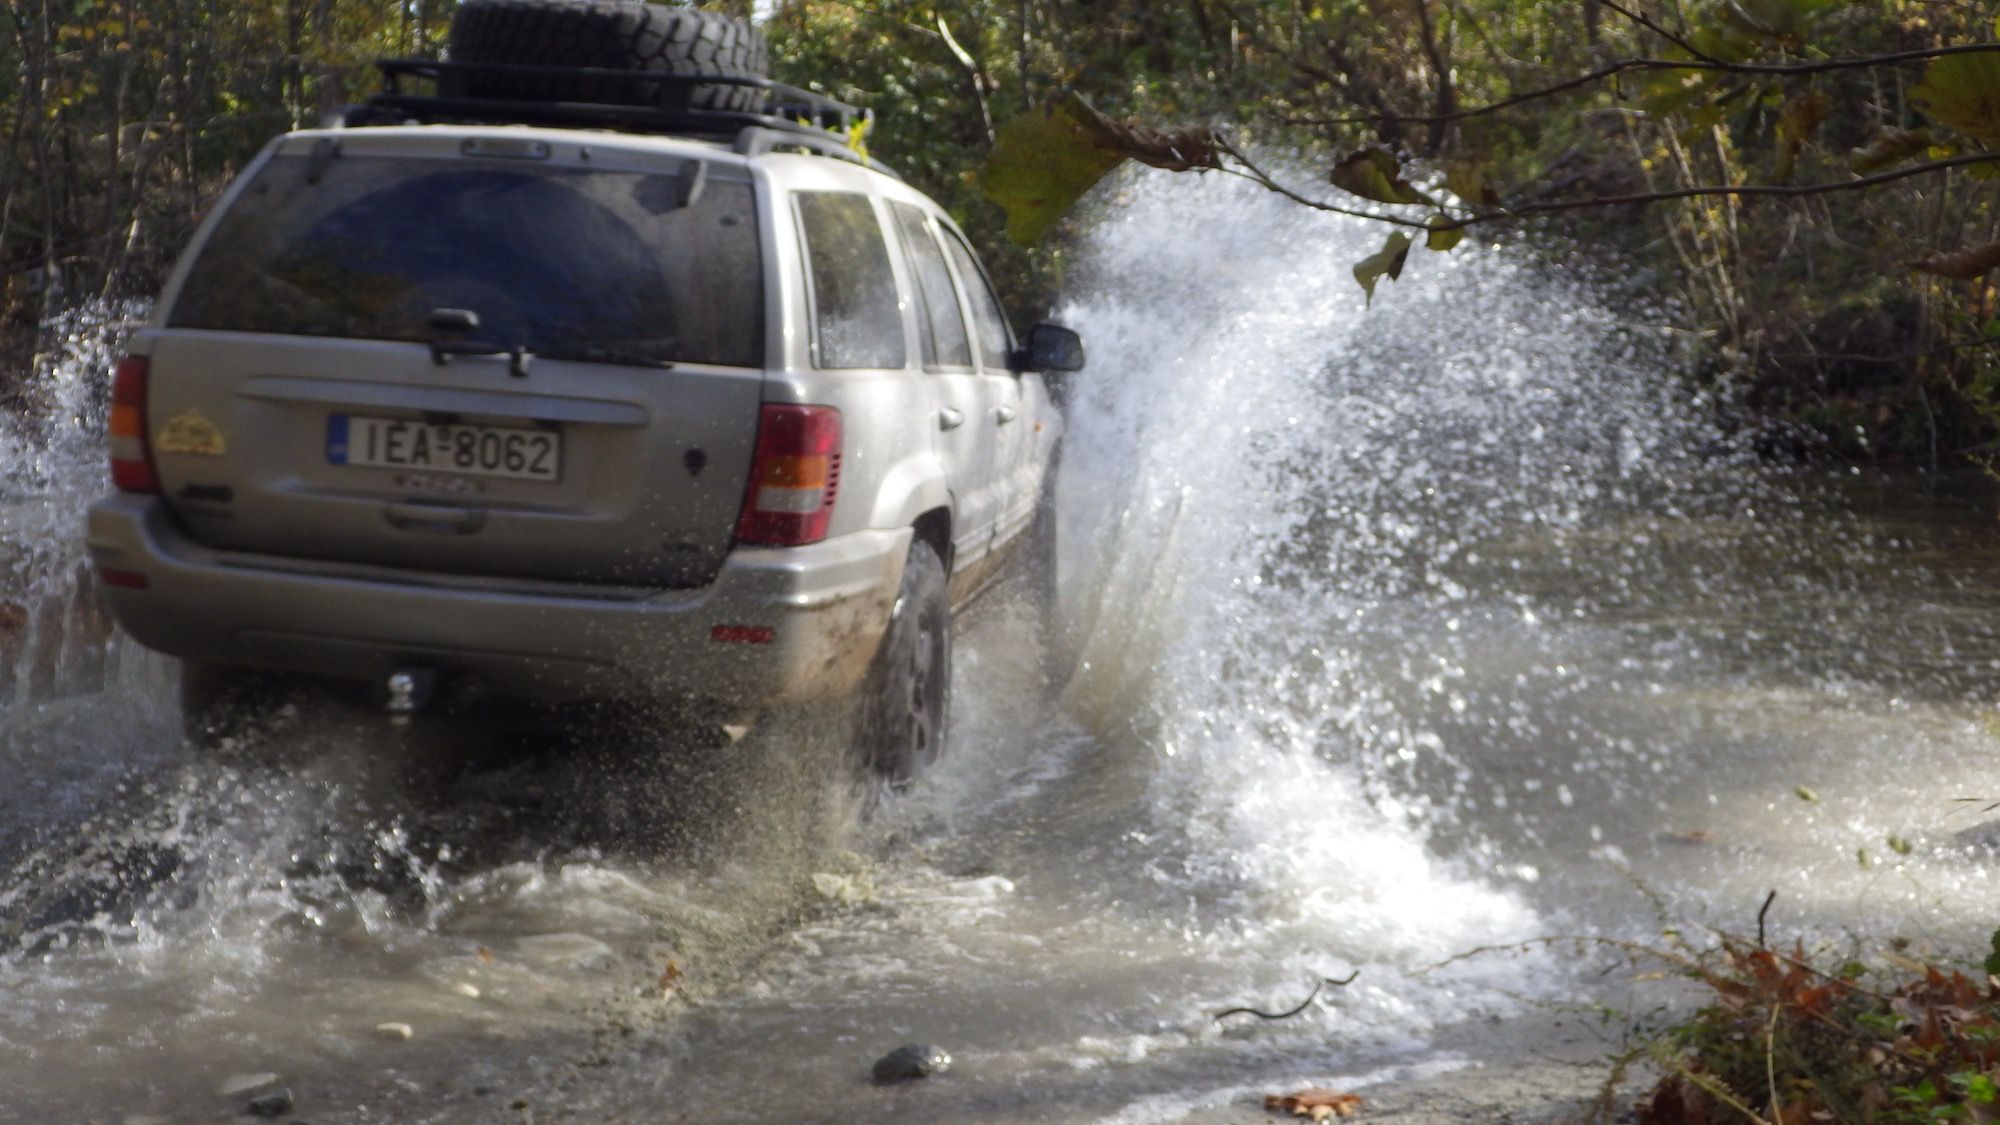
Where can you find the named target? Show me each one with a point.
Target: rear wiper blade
(607, 355)
(518, 356)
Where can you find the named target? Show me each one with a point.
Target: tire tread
(614, 35)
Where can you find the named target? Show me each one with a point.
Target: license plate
(481, 451)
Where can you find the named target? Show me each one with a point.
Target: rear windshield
(568, 262)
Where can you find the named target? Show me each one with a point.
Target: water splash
(1294, 516)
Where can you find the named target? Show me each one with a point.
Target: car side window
(944, 341)
(987, 318)
(857, 317)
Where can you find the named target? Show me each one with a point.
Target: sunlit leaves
(1963, 91)
(1043, 161)
(1386, 262)
(1442, 235)
(1469, 182)
(1372, 173)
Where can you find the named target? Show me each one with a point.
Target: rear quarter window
(857, 317)
(987, 317)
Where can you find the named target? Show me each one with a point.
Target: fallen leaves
(1317, 1103)
(1788, 1042)
(670, 980)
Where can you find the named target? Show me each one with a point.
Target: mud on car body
(597, 367)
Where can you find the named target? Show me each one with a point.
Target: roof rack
(787, 118)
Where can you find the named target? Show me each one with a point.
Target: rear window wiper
(518, 356)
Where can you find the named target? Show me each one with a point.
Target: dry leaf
(1176, 150)
(484, 954)
(1317, 1103)
(1965, 265)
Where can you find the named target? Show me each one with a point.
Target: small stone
(394, 1031)
(244, 1083)
(277, 1103)
(910, 1061)
(464, 988)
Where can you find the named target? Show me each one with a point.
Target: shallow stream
(1405, 633)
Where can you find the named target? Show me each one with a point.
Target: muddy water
(1446, 625)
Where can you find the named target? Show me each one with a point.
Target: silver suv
(659, 392)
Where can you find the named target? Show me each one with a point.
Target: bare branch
(1781, 190)
(1251, 171)
(1655, 28)
(1303, 1004)
(1627, 66)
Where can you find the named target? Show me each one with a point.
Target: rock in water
(911, 1060)
(277, 1103)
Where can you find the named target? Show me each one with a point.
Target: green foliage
(1963, 92)
(1372, 173)
(1785, 1041)
(1041, 164)
(124, 117)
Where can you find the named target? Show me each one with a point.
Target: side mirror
(1051, 348)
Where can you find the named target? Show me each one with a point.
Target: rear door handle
(949, 419)
(1004, 413)
(435, 518)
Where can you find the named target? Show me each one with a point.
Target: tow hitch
(409, 691)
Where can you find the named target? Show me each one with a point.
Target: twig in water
(1761, 911)
(1303, 1004)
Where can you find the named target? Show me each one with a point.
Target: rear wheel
(906, 706)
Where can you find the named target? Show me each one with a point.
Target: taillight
(793, 478)
(131, 459)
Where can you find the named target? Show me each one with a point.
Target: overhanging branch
(1251, 171)
(1628, 66)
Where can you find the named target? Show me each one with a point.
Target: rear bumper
(825, 606)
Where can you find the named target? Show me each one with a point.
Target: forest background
(1859, 122)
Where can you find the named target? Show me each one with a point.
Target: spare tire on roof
(612, 35)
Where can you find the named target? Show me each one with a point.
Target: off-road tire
(613, 35)
(906, 705)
